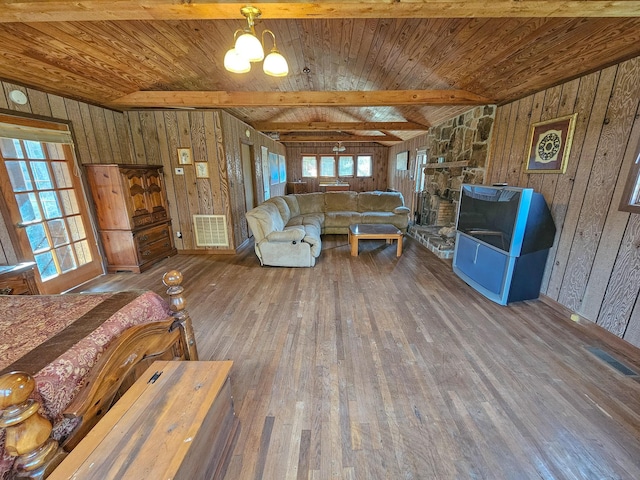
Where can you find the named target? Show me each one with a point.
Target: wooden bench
(176, 421)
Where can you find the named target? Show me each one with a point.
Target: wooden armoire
(132, 214)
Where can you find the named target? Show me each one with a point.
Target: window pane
(69, 202)
(55, 151)
(58, 232)
(41, 175)
(19, 176)
(50, 205)
(65, 258)
(46, 267)
(327, 166)
(34, 150)
(28, 206)
(61, 174)
(37, 238)
(345, 166)
(82, 252)
(309, 167)
(364, 168)
(11, 148)
(76, 228)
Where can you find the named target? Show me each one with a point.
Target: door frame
(15, 236)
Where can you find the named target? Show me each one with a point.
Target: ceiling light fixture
(247, 48)
(338, 147)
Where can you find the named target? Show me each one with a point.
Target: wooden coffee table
(384, 231)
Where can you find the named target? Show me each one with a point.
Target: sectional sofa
(287, 229)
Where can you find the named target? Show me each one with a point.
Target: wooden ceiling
(370, 69)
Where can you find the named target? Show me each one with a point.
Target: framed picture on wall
(274, 173)
(184, 156)
(550, 145)
(282, 165)
(402, 160)
(202, 170)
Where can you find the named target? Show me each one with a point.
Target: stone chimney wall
(462, 142)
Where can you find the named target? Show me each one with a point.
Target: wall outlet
(179, 234)
(179, 171)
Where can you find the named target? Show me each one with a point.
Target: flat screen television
(513, 220)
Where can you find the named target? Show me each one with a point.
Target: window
(333, 166)
(364, 166)
(345, 166)
(309, 166)
(44, 200)
(631, 196)
(327, 166)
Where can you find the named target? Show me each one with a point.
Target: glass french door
(46, 205)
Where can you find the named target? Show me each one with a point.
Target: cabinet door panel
(482, 264)
(137, 191)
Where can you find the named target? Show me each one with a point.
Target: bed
(65, 359)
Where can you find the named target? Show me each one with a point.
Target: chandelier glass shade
(248, 48)
(236, 63)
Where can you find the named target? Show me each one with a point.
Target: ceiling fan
(338, 147)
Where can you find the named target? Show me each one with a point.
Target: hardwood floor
(376, 367)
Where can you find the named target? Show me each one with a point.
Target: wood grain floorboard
(378, 367)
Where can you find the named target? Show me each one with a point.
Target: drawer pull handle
(167, 244)
(144, 238)
(6, 291)
(146, 253)
(475, 259)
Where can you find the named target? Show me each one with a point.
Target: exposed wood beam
(336, 126)
(98, 10)
(199, 99)
(289, 137)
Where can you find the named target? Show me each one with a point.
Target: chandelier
(338, 147)
(248, 48)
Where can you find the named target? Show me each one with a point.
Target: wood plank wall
(101, 135)
(594, 266)
(215, 137)
(378, 181)
(152, 137)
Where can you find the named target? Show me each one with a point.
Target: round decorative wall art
(550, 145)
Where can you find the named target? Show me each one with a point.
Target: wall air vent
(210, 230)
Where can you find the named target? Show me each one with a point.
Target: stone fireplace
(456, 154)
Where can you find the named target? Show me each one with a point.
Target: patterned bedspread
(58, 339)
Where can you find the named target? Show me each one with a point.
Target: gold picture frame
(550, 145)
(184, 156)
(202, 170)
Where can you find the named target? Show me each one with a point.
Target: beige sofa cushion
(264, 220)
(340, 202)
(283, 208)
(310, 202)
(341, 219)
(377, 202)
(292, 202)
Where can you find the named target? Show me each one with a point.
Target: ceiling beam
(345, 138)
(336, 126)
(200, 99)
(98, 10)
